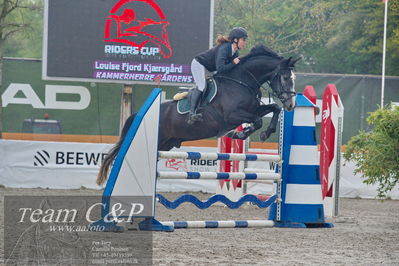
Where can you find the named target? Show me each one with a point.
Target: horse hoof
(265, 135)
(262, 137)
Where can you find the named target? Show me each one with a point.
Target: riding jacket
(219, 58)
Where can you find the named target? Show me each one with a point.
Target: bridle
(274, 74)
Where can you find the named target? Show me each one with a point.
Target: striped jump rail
(257, 170)
(218, 175)
(220, 224)
(218, 156)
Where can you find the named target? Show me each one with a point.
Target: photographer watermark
(51, 229)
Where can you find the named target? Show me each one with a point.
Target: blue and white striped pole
(218, 156)
(218, 175)
(302, 203)
(219, 224)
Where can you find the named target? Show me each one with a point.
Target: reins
(251, 90)
(274, 74)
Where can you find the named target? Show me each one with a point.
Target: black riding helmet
(238, 33)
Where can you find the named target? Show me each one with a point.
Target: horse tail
(109, 159)
(103, 173)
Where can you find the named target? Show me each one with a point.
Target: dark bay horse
(237, 102)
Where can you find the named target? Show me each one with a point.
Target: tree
(376, 153)
(286, 26)
(355, 43)
(27, 40)
(332, 36)
(14, 19)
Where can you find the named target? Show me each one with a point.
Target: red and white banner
(330, 144)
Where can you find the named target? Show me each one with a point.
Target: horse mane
(261, 50)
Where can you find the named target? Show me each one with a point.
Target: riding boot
(194, 102)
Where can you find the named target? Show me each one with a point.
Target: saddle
(183, 105)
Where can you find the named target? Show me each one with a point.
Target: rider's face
(242, 43)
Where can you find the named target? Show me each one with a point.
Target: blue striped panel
(193, 175)
(251, 176)
(194, 155)
(303, 135)
(302, 174)
(223, 176)
(223, 156)
(251, 157)
(303, 213)
(241, 223)
(211, 224)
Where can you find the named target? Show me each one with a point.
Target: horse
(237, 101)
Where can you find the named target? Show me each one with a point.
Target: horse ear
(295, 60)
(287, 62)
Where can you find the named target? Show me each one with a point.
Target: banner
(125, 41)
(63, 165)
(30, 164)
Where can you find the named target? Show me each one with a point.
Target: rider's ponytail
(221, 40)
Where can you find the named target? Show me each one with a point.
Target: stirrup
(194, 117)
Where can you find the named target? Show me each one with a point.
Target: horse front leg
(273, 123)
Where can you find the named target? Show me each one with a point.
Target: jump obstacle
(297, 201)
(332, 111)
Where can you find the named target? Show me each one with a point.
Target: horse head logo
(176, 164)
(126, 26)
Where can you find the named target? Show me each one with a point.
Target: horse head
(282, 82)
(265, 65)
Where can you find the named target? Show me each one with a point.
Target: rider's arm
(223, 59)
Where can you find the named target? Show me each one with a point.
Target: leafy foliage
(376, 153)
(287, 26)
(355, 45)
(333, 36)
(21, 28)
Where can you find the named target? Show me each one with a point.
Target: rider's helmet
(238, 33)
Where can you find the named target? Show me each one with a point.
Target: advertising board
(126, 41)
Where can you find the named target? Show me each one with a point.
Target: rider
(221, 59)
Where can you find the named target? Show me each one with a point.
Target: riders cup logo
(137, 33)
